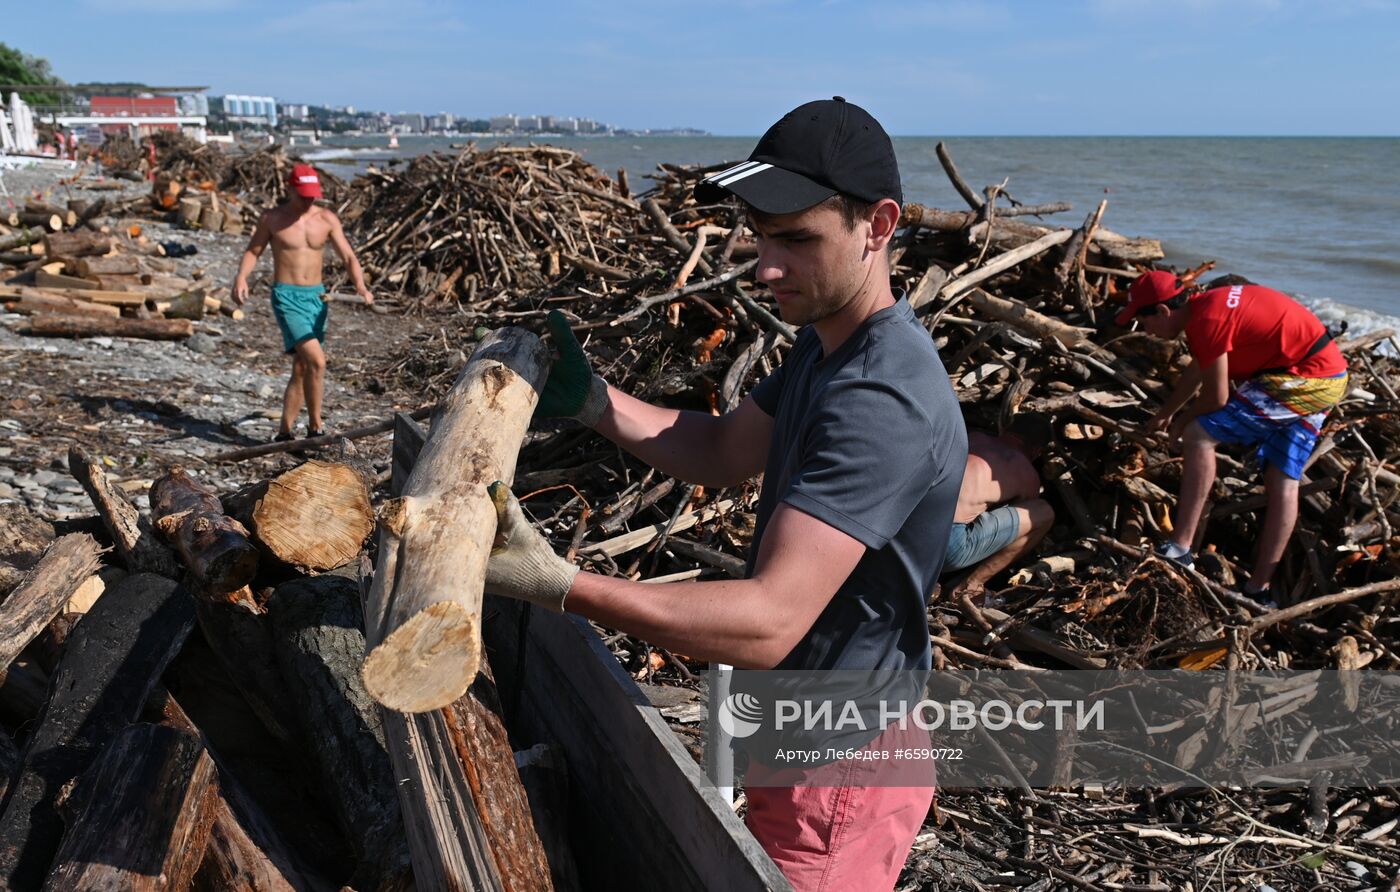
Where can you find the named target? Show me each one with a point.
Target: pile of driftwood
(89, 282)
(1022, 314)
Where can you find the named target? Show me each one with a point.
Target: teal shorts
(300, 312)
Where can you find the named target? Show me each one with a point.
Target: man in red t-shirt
(1287, 375)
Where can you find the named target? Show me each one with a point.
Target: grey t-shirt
(871, 441)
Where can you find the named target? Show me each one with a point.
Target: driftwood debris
(315, 516)
(212, 545)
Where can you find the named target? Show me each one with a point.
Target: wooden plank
(639, 805)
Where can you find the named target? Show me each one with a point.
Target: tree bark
(23, 537)
(78, 243)
(317, 637)
(213, 546)
(66, 216)
(141, 817)
(113, 661)
(136, 543)
(315, 517)
(240, 634)
(445, 523)
(67, 564)
(1007, 234)
(23, 238)
(91, 327)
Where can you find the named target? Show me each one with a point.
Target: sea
(1316, 217)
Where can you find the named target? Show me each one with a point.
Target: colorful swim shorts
(300, 313)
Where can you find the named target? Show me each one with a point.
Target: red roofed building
(136, 107)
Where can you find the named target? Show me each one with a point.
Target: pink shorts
(839, 827)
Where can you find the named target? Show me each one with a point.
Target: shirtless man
(298, 231)
(1000, 515)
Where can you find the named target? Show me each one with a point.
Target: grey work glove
(572, 390)
(522, 564)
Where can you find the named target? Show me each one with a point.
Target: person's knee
(298, 367)
(1039, 514)
(314, 361)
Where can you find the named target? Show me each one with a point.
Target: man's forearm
(686, 445)
(357, 275)
(246, 264)
(729, 621)
(1185, 388)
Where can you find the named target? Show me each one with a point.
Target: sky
(935, 68)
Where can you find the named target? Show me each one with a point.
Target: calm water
(1316, 217)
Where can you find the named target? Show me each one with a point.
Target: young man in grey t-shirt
(862, 447)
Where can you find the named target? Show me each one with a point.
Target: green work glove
(522, 565)
(572, 391)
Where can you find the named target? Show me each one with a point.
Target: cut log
(140, 817)
(135, 542)
(314, 517)
(213, 546)
(446, 522)
(45, 279)
(211, 220)
(118, 283)
(62, 306)
(187, 305)
(319, 644)
(50, 326)
(78, 243)
(189, 210)
(111, 664)
(23, 537)
(67, 563)
(67, 217)
(24, 238)
(47, 222)
(233, 862)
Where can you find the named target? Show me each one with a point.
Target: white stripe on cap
(716, 177)
(739, 176)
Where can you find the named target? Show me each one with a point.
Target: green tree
(21, 68)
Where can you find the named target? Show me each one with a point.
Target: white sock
(1172, 550)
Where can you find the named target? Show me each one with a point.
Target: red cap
(1148, 290)
(305, 181)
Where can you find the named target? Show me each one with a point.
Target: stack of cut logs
(86, 282)
(195, 675)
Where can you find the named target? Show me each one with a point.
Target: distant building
(242, 109)
(439, 122)
(504, 123)
(294, 111)
(136, 116)
(194, 104)
(531, 124)
(409, 123)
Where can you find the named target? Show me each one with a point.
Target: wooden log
(368, 430)
(1003, 262)
(61, 306)
(188, 211)
(240, 635)
(47, 222)
(78, 243)
(315, 517)
(211, 220)
(66, 564)
(118, 283)
(1020, 316)
(112, 662)
(464, 808)
(23, 536)
(51, 326)
(68, 218)
(92, 295)
(432, 607)
(139, 819)
(186, 305)
(319, 644)
(23, 238)
(213, 546)
(1008, 234)
(45, 279)
(135, 542)
(408, 442)
(234, 862)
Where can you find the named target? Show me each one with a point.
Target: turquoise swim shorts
(300, 312)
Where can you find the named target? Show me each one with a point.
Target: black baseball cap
(815, 151)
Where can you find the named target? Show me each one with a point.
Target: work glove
(522, 564)
(572, 390)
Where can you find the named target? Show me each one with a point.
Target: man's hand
(522, 565)
(240, 291)
(365, 293)
(572, 390)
